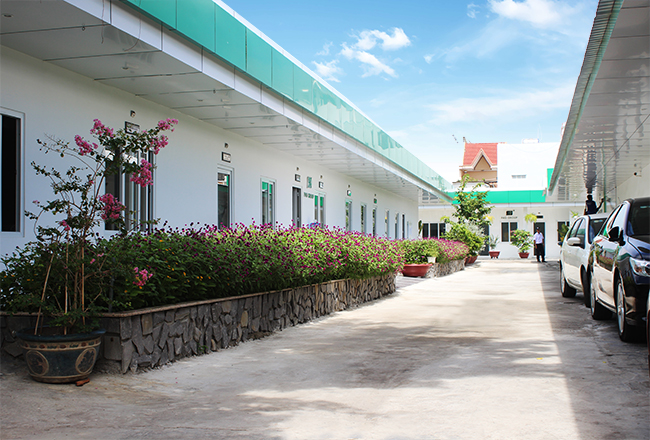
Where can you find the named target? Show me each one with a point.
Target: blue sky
(430, 72)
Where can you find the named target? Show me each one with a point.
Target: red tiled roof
(472, 150)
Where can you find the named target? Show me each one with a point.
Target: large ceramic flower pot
(60, 358)
(471, 260)
(415, 270)
(523, 255)
(494, 254)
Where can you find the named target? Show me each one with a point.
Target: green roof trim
(215, 29)
(510, 197)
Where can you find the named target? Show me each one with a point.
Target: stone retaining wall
(440, 270)
(153, 337)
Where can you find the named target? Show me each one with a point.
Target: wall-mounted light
(297, 177)
(132, 113)
(225, 145)
(321, 185)
(349, 193)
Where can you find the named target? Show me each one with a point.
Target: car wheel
(626, 332)
(584, 280)
(566, 290)
(598, 312)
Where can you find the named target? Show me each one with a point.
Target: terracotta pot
(60, 359)
(523, 255)
(415, 270)
(471, 260)
(494, 254)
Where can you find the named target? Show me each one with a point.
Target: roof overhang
(605, 140)
(113, 44)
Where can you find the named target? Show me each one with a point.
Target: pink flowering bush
(201, 263)
(52, 275)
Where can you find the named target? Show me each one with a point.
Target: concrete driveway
(492, 352)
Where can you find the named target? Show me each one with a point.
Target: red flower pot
(415, 270)
(494, 254)
(471, 260)
(523, 255)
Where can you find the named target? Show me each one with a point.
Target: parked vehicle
(574, 254)
(619, 268)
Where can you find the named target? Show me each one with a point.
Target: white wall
(551, 213)
(54, 101)
(531, 159)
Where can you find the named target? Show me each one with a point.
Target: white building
(260, 138)
(523, 173)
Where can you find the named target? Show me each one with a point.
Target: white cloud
(543, 14)
(370, 63)
(328, 71)
(511, 107)
(326, 49)
(367, 40)
(472, 10)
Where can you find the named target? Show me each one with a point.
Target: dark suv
(619, 268)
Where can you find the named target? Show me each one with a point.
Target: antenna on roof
(454, 138)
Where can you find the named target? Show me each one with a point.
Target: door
(296, 207)
(542, 229)
(223, 198)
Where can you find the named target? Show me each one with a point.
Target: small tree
(472, 211)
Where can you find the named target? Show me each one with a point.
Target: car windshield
(595, 226)
(639, 220)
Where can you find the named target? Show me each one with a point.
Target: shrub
(449, 250)
(521, 239)
(468, 234)
(194, 264)
(418, 251)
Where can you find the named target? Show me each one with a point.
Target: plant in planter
(493, 241)
(522, 239)
(64, 276)
(469, 234)
(417, 256)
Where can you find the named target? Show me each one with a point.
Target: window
(364, 209)
(137, 199)
(507, 228)
(433, 230)
(396, 226)
(374, 221)
(268, 202)
(11, 173)
(562, 228)
(387, 223)
(403, 226)
(319, 209)
(348, 215)
(223, 198)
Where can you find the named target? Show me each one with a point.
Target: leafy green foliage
(468, 234)
(195, 264)
(522, 239)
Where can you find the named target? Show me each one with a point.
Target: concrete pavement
(492, 352)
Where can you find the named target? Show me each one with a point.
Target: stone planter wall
(153, 337)
(440, 270)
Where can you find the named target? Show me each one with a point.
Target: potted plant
(63, 277)
(417, 254)
(493, 241)
(522, 239)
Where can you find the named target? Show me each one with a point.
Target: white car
(574, 254)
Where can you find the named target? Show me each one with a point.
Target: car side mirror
(573, 241)
(615, 235)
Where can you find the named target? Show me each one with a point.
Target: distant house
(480, 163)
